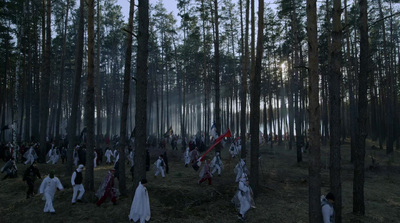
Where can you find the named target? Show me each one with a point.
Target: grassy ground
(178, 198)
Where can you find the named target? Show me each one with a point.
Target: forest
(321, 76)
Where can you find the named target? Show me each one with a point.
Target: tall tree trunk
(98, 87)
(89, 112)
(44, 85)
(59, 108)
(243, 97)
(217, 86)
(299, 134)
(36, 94)
(76, 91)
(334, 111)
(350, 73)
(314, 163)
(141, 92)
(389, 87)
(255, 102)
(125, 100)
(29, 91)
(358, 185)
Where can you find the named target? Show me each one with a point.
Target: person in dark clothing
(30, 176)
(82, 155)
(76, 181)
(166, 162)
(63, 154)
(10, 168)
(99, 155)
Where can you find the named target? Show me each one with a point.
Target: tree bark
(59, 108)
(76, 91)
(314, 165)
(217, 87)
(243, 97)
(98, 86)
(141, 92)
(255, 102)
(358, 185)
(44, 86)
(125, 100)
(89, 112)
(334, 111)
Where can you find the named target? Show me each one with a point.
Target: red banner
(218, 140)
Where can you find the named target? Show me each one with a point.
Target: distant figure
(205, 173)
(116, 168)
(107, 189)
(194, 155)
(108, 155)
(63, 154)
(116, 155)
(328, 213)
(30, 155)
(76, 181)
(165, 158)
(94, 159)
(52, 155)
(187, 157)
(159, 166)
(240, 168)
(48, 189)
(30, 176)
(132, 162)
(75, 155)
(10, 168)
(217, 164)
(233, 150)
(140, 208)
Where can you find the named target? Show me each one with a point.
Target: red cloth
(218, 140)
(109, 191)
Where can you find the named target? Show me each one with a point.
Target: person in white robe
(132, 157)
(56, 155)
(76, 155)
(194, 155)
(116, 156)
(49, 154)
(94, 159)
(48, 189)
(76, 181)
(140, 208)
(261, 138)
(187, 157)
(52, 155)
(30, 155)
(240, 168)
(243, 198)
(205, 173)
(159, 166)
(217, 164)
(108, 155)
(233, 150)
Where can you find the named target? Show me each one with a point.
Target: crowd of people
(28, 154)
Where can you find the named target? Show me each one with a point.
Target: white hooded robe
(140, 208)
(48, 189)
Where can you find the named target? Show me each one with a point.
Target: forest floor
(283, 193)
